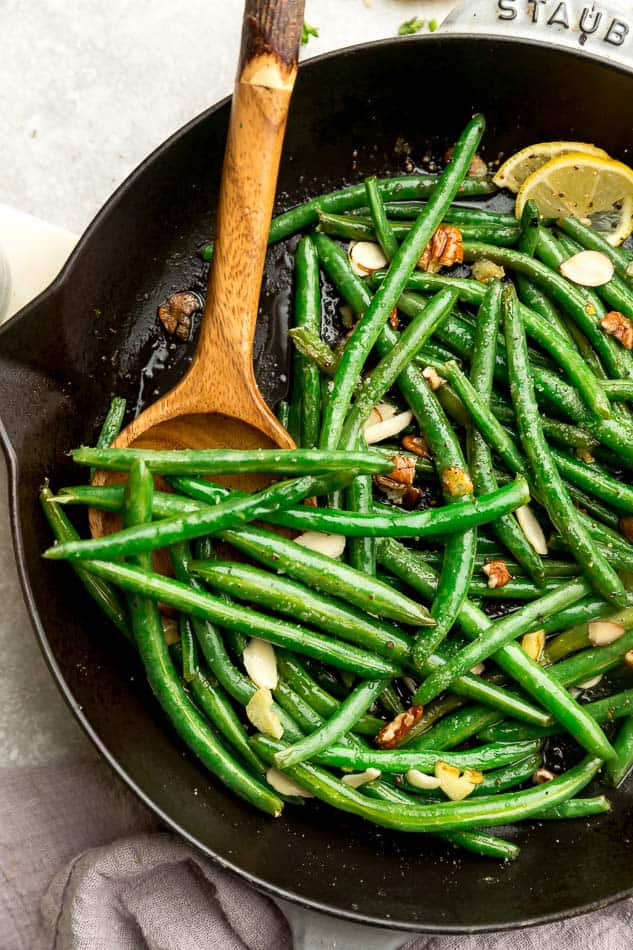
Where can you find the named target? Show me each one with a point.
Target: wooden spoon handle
(266, 74)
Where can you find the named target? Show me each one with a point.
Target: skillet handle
(314, 931)
(605, 31)
(267, 68)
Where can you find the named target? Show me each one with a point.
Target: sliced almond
(420, 780)
(628, 659)
(455, 786)
(478, 669)
(603, 632)
(588, 269)
(433, 378)
(531, 529)
(260, 711)
(387, 428)
(629, 269)
(534, 644)
(589, 684)
(366, 257)
(260, 662)
(332, 545)
(474, 776)
(170, 630)
(356, 779)
(384, 410)
(284, 785)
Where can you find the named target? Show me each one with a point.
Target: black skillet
(94, 333)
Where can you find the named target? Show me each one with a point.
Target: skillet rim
(50, 292)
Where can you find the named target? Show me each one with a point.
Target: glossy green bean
(602, 710)
(164, 682)
(401, 760)
(306, 385)
(618, 768)
(300, 602)
(104, 595)
(111, 426)
(544, 472)
(313, 348)
(588, 663)
(454, 729)
(342, 721)
(596, 481)
(576, 808)
(592, 240)
(444, 816)
(382, 229)
(358, 228)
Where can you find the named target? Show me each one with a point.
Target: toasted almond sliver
(542, 775)
(260, 711)
(474, 776)
(531, 529)
(420, 780)
(284, 785)
(589, 684)
(387, 428)
(534, 644)
(629, 269)
(588, 269)
(478, 668)
(260, 663)
(356, 779)
(455, 786)
(384, 410)
(603, 632)
(332, 545)
(628, 659)
(366, 257)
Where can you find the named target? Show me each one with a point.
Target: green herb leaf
(307, 31)
(414, 25)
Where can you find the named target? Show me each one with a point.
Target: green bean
(357, 228)
(361, 552)
(394, 362)
(204, 605)
(618, 768)
(283, 412)
(312, 347)
(295, 706)
(401, 760)
(538, 682)
(479, 454)
(593, 240)
(544, 472)
(577, 637)
(187, 650)
(298, 601)
(382, 228)
(212, 701)
(576, 808)
(392, 522)
(339, 723)
(589, 663)
(306, 386)
(592, 510)
(443, 816)
(101, 592)
(563, 433)
(297, 677)
(498, 635)
(236, 509)
(595, 480)
(111, 426)
(234, 461)
(165, 684)
(375, 316)
(454, 729)
(456, 214)
(519, 588)
(603, 710)
(552, 569)
(435, 712)
(510, 776)
(621, 389)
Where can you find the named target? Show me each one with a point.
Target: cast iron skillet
(90, 334)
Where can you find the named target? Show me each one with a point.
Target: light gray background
(87, 90)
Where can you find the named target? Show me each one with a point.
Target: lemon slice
(516, 169)
(597, 190)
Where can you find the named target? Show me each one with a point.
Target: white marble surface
(87, 90)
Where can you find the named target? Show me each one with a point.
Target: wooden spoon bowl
(217, 404)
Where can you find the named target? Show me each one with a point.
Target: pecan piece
(405, 495)
(626, 527)
(417, 445)
(477, 168)
(497, 573)
(443, 250)
(616, 324)
(456, 482)
(175, 313)
(394, 319)
(404, 470)
(395, 731)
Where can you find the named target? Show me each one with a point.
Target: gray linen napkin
(84, 867)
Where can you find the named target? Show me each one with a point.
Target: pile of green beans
(390, 659)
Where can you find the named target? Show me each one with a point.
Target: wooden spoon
(217, 403)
